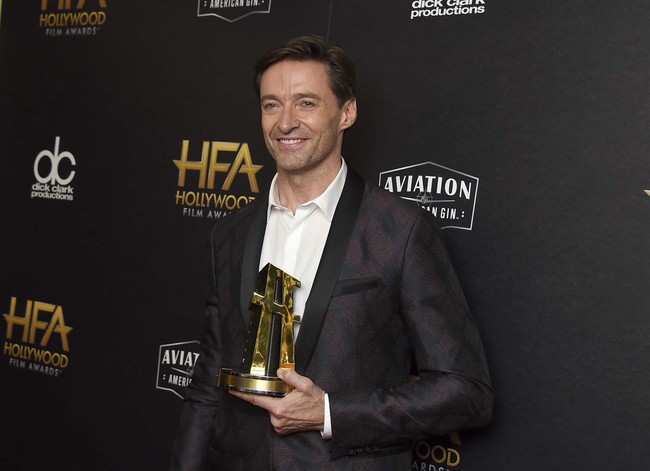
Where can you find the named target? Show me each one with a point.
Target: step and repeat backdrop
(127, 128)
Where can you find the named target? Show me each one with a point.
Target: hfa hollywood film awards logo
(438, 8)
(232, 10)
(220, 164)
(72, 17)
(176, 364)
(54, 171)
(439, 454)
(36, 337)
(448, 194)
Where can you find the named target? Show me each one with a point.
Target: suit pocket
(356, 285)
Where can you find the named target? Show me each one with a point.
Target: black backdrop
(540, 108)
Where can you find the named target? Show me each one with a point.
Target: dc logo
(55, 160)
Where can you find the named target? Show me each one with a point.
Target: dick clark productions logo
(54, 171)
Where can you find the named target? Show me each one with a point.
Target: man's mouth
(290, 141)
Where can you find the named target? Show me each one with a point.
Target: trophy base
(264, 385)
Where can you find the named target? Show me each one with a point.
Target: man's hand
(299, 411)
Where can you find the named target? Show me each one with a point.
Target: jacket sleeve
(453, 391)
(201, 396)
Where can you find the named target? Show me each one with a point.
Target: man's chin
(290, 162)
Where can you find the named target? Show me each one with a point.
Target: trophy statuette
(269, 341)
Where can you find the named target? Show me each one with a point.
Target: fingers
(265, 402)
(300, 410)
(293, 379)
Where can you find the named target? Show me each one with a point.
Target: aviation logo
(176, 365)
(233, 10)
(448, 194)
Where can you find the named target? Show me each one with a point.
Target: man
(378, 298)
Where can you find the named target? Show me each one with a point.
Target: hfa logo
(176, 364)
(233, 10)
(30, 339)
(437, 454)
(448, 194)
(54, 172)
(72, 17)
(208, 203)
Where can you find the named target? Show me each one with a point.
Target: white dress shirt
(295, 242)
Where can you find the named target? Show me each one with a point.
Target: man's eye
(307, 104)
(269, 106)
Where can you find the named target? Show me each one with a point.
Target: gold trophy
(269, 341)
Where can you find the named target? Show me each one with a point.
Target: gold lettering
(190, 195)
(418, 452)
(220, 167)
(37, 324)
(31, 324)
(451, 453)
(57, 324)
(454, 438)
(243, 164)
(183, 165)
(20, 321)
(440, 449)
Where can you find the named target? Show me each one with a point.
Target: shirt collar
(327, 201)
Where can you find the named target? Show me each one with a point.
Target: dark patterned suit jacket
(385, 302)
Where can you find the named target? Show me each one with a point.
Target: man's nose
(288, 119)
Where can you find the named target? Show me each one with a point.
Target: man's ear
(349, 113)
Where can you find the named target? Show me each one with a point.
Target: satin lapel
(251, 260)
(329, 269)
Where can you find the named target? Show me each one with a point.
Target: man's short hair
(311, 47)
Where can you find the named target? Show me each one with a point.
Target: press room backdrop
(128, 127)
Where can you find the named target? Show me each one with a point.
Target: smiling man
(378, 297)
(302, 119)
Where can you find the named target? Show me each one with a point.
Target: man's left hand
(299, 411)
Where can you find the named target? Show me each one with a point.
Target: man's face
(301, 120)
